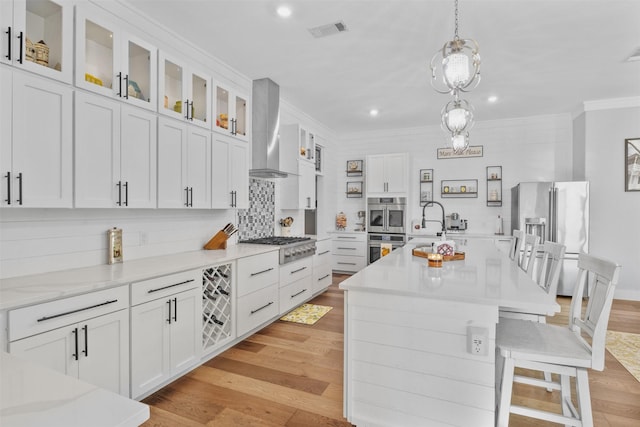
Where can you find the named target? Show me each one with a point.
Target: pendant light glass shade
(460, 142)
(457, 116)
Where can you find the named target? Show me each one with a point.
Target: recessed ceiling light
(373, 112)
(492, 98)
(284, 11)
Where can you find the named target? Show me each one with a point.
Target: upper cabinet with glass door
(184, 92)
(37, 35)
(232, 112)
(112, 62)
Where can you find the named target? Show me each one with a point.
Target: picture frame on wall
(632, 164)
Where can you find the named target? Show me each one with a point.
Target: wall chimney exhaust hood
(265, 130)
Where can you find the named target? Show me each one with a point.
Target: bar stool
(516, 243)
(546, 271)
(559, 349)
(529, 249)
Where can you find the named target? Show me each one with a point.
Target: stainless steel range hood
(265, 130)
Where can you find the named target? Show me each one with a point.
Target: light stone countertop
(32, 396)
(27, 290)
(485, 276)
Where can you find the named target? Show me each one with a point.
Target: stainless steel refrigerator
(557, 212)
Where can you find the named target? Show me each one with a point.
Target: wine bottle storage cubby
(216, 305)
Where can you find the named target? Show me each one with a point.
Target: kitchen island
(420, 341)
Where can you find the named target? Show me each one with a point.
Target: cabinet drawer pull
(347, 237)
(324, 277)
(322, 253)
(347, 263)
(298, 270)
(150, 291)
(296, 294)
(260, 272)
(261, 308)
(42, 319)
(350, 249)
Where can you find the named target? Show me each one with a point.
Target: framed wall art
(632, 164)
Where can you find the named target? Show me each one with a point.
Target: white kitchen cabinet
(231, 112)
(184, 165)
(115, 154)
(112, 62)
(299, 191)
(86, 337)
(25, 23)
(229, 173)
(387, 174)
(36, 144)
(349, 252)
(296, 283)
(185, 93)
(322, 266)
(257, 284)
(166, 323)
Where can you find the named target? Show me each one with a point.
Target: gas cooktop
(276, 240)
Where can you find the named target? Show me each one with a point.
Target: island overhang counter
(420, 341)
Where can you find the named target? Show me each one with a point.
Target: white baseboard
(628, 294)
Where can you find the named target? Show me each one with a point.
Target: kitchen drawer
(296, 270)
(323, 253)
(295, 294)
(39, 318)
(257, 272)
(160, 287)
(348, 263)
(256, 308)
(349, 248)
(321, 277)
(350, 237)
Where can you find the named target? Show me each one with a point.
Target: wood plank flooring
(290, 374)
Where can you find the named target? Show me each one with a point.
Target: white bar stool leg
(505, 393)
(584, 397)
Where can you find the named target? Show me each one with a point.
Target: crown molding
(610, 104)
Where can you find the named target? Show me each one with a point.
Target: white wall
(615, 214)
(528, 149)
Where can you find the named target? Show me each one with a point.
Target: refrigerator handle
(554, 213)
(551, 221)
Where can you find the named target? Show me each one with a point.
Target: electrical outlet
(477, 340)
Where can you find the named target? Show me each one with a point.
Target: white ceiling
(538, 57)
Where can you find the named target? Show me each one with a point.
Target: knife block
(219, 241)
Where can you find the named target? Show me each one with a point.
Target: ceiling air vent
(635, 56)
(328, 29)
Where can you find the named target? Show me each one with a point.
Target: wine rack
(216, 305)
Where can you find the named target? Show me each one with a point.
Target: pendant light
(457, 64)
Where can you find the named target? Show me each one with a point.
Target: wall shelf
(459, 188)
(494, 186)
(426, 185)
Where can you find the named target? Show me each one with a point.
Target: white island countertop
(34, 396)
(26, 290)
(485, 276)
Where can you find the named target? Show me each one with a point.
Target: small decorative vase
(285, 231)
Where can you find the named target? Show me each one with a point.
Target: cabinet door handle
(191, 193)
(175, 309)
(126, 193)
(75, 339)
(21, 43)
(190, 105)
(126, 86)
(150, 291)
(261, 308)
(119, 202)
(298, 270)
(8, 55)
(186, 190)
(66, 313)
(322, 253)
(119, 76)
(8, 199)
(169, 318)
(19, 188)
(309, 202)
(86, 340)
(260, 272)
(296, 294)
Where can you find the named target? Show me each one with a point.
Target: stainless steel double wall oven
(387, 220)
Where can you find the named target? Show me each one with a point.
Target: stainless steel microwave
(387, 215)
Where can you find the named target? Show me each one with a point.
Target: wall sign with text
(471, 151)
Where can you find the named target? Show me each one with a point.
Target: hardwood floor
(290, 374)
